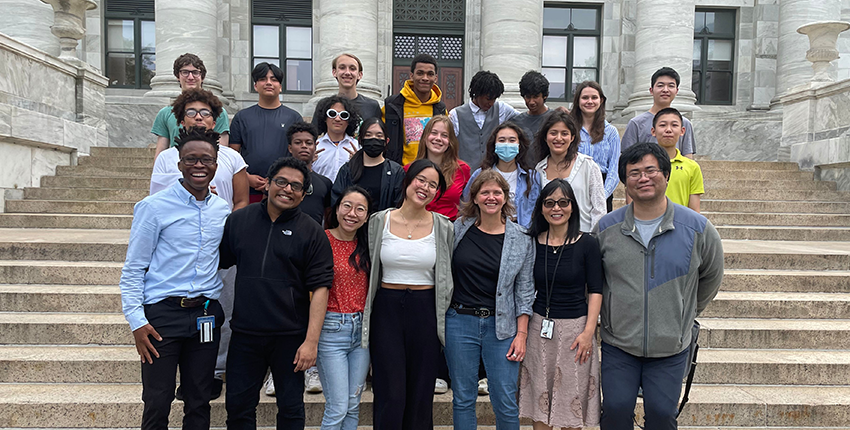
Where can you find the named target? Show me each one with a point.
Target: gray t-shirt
(640, 130)
(531, 123)
(647, 229)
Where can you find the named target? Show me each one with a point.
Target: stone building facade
(737, 58)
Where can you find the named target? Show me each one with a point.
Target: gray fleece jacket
(651, 295)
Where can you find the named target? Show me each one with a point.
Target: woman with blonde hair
(440, 145)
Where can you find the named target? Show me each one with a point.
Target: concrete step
(711, 406)
(95, 182)
(780, 219)
(119, 161)
(108, 172)
(71, 328)
(754, 232)
(746, 206)
(69, 207)
(779, 305)
(92, 194)
(60, 272)
(99, 221)
(786, 255)
(780, 184)
(63, 244)
(747, 165)
(101, 151)
(772, 367)
(766, 194)
(60, 298)
(758, 175)
(802, 281)
(69, 364)
(746, 333)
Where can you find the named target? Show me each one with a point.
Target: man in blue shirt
(170, 285)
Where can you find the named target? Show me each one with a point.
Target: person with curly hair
(337, 127)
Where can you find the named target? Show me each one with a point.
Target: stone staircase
(775, 343)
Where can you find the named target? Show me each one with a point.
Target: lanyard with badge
(206, 324)
(548, 325)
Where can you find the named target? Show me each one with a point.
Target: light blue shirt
(524, 205)
(173, 250)
(606, 153)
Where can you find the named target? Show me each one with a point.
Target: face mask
(373, 147)
(507, 151)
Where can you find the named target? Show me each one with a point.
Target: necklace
(407, 224)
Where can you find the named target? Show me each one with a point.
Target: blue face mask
(507, 151)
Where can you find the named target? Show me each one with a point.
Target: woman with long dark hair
(561, 368)
(342, 363)
(559, 158)
(369, 169)
(598, 138)
(506, 154)
(410, 288)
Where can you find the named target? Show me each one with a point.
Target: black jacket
(392, 182)
(278, 264)
(394, 118)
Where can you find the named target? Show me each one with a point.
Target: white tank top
(407, 262)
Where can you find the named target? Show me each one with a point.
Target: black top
(279, 263)
(390, 192)
(316, 203)
(475, 267)
(579, 273)
(262, 134)
(371, 181)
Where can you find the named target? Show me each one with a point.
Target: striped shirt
(606, 153)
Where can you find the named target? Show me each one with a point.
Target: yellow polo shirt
(685, 179)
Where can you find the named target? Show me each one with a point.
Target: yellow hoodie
(416, 116)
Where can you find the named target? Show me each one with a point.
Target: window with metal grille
(571, 45)
(714, 56)
(130, 43)
(282, 34)
(443, 48)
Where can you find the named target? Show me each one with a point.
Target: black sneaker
(217, 385)
(179, 394)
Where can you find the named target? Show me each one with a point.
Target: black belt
(186, 302)
(479, 312)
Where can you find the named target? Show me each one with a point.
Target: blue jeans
(343, 366)
(468, 340)
(623, 374)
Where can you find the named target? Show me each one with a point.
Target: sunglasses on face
(344, 115)
(550, 203)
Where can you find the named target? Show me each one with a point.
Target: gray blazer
(515, 290)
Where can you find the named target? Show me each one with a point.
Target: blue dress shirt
(606, 153)
(173, 250)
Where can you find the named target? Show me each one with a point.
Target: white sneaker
(311, 380)
(269, 386)
(440, 386)
(483, 387)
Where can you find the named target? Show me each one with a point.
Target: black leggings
(405, 353)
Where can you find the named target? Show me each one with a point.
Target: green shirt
(165, 125)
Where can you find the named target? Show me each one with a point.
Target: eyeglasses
(186, 73)
(550, 203)
(282, 183)
(332, 113)
(650, 173)
(191, 161)
(422, 180)
(191, 113)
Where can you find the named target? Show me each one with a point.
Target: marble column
(511, 42)
(792, 68)
(350, 26)
(183, 27)
(664, 37)
(29, 21)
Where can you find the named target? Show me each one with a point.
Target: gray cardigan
(444, 237)
(515, 290)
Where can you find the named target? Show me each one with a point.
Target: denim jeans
(469, 339)
(343, 366)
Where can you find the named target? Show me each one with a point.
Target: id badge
(547, 328)
(206, 325)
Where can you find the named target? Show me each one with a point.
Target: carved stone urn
(68, 18)
(823, 37)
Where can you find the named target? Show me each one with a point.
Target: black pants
(405, 353)
(247, 360)
(180, 346)
(609, 202)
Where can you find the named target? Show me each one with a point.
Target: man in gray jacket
(663, 265)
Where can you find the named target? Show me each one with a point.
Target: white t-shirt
(511, 177)
(166, 173)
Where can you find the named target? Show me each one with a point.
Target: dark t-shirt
(475, 267)
(579, 273)
(371, 181)
(366, 108)
(262, 134)
(316, 203)
(531, 123)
